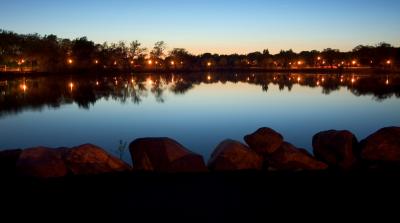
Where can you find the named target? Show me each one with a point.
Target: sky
(216, 26)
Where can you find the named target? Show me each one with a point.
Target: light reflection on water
(198, 110)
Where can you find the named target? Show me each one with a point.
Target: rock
(383, 145)
(336, 148)
(90, 159)
(8, 161)
(232, 155)
(42, 162)
(164, 155)
(288, 157)
(264, 141)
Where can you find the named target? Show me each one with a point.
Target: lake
(197, 109)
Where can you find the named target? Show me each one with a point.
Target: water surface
(199, 109)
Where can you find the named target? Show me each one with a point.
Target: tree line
(50, 53)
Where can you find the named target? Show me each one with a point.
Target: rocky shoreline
(266, 151)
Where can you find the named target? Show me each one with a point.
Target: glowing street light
(150, 62)
(209, 77)
(70, 61)
(71, 86)
(353, 62)
(172, 62)
(388, 62)
(96, 61)
(319, 58)
(209, 64)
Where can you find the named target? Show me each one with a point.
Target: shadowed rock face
(336, 148)
(232, 155)
(264, 141)
(383, 145)
(8, 161)
(42, 162)
(90, 159)
(164, 155)
(288, 157)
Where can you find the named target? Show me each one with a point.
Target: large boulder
(382, 146)
(90, 159)
(164, 155)
(42, 162)
(8, 161)
(336, 148)
(232, 155)
(290, 158)
(264, 141)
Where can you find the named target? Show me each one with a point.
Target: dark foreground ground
(204, 197)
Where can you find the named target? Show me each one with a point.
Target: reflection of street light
(208, 64)
(71, 85)
(209, 77)
(23, 87)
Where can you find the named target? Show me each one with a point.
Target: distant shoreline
(361, 70)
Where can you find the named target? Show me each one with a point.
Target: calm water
(199, 110)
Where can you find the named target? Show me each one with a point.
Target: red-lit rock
(383, 145)
(164, 155)
(336, 148)
(232, 155)
(288, 157)
(264, 141)
(42, 162)
(90, 159)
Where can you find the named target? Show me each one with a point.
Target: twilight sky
(217, 26)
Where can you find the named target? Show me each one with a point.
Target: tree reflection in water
(34, 93)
